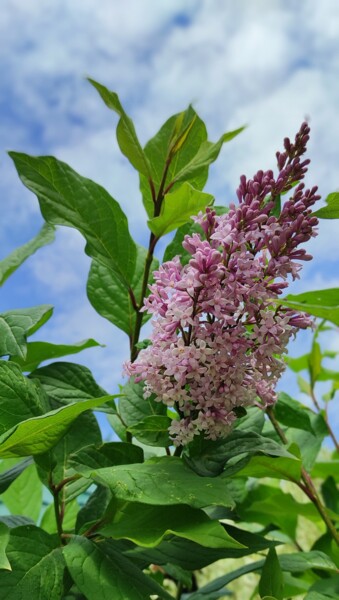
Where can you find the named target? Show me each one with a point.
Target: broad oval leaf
(163, 481)
(101, 571)
(67, 198)
(147, 525)
(68, 382)
(37, 566)
(20, 398)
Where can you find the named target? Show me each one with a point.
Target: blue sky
(265, 63)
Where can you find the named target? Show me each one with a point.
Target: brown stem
(64, 482)
(308, 486)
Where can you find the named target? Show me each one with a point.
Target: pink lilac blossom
(218, 332)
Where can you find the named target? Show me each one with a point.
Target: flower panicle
(218, 331)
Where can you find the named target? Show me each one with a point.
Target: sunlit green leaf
(67, 198)
(4, 538)
(24, 497)
(178, 207)
(331, 210)
(321, 303)
(163, 481)
(39, 434)
(37, 352)
(13, 261)
(17, 325)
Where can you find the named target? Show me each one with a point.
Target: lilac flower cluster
(218, 332)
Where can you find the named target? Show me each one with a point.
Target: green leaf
(321, 303)
(192, 556)
(297, 364)
(291, 413)
(331, 210)
(24, 497)
(163, 481)
(13, 521)
(308, 443)
(211, 457)
(324, 589)
(105, 455)
(152, 430)
(314, 363)
(19, 397)
(14, 260)
(330, 493)
(270, 506)
(37, 566)
(39, 434)
(4, 537)
(67, 198)
(177, 208)
(68, 382)
(38, 352)
(100, 571)
(254, 420)
(17, 325)
(134, 408)
(299, 562)
(277, 468)
(7, 477)
(271, 581)
(126, 135)
(147, 525)
(324, 469)
(164, 165)
(112, 299)
(207, 153)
